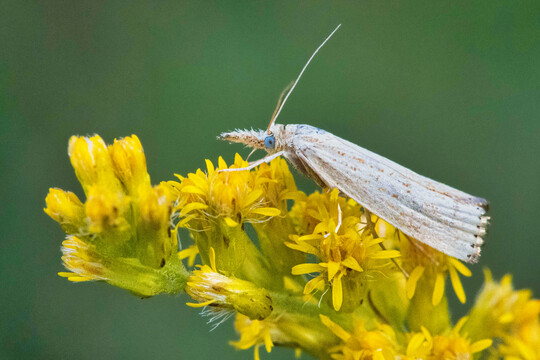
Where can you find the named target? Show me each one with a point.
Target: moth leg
(371, 226)
(254, 164)
(251, 153)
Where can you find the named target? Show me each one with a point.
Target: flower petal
(480, 345)
(335, 328)
(185, 253)
(66, 274)
(351, 263)
(209, 167)
(221, 163)
(333, 268)
(303, 247)
(438, 290)
(315, 283)
(266, 211)
(337, 292)
(192, 189)
(459, 325)
(252, 196)
(203, 304)
(230, 222)
(463, 270)
(321, 228)
(386, 254)
(416, 274)
(268, 342)
(456, 284)
(192, 206)
(200, 180)
(309, 237)
(414, 344)
(306, 268)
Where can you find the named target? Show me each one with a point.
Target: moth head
(257, 139)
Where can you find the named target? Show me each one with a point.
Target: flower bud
(212, 288)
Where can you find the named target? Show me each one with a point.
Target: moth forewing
(438, 215)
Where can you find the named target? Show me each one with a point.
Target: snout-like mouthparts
(251, 138)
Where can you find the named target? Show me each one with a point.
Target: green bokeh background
(450, 89)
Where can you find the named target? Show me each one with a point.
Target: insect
(435, 214)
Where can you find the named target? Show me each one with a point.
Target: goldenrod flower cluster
(121, 233)
(318, 273)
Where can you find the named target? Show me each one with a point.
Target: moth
(433, 213)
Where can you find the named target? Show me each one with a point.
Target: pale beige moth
(433, 213)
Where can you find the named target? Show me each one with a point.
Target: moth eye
(270, 142)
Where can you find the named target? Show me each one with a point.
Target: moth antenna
(285, 91)
(281, 104)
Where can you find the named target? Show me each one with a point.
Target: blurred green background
(450, 89)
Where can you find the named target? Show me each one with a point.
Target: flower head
(362, 344)
(254, 333)
(82, 260)
(344, 246)
(215, 206)
(221, 292)
(234, 196)
(65, 208)
(92, 163)
(457, 345)
(424, 262)
(129, 163)
(454, 345)
(121, 233)
(508, 314)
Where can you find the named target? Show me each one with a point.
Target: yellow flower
(235, 196)
(524, 338)
(253, 333)
(382, 343)
(360, 344)
(65, 208)
(424, 262)
(106, 209)
(190, 253)
(277, 183)
(500, 311)
(453, 345)
(209, 287)
(85, 263)
(129, 163)
(342, 243)
(92, 163)
(419, 345)
(82, 260)
(515, 348)
(215, 206)
(286, 328)
(456, 345)
(122, 232)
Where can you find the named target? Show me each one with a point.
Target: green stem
(145, 281)
(422, 312)
(300, 324)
